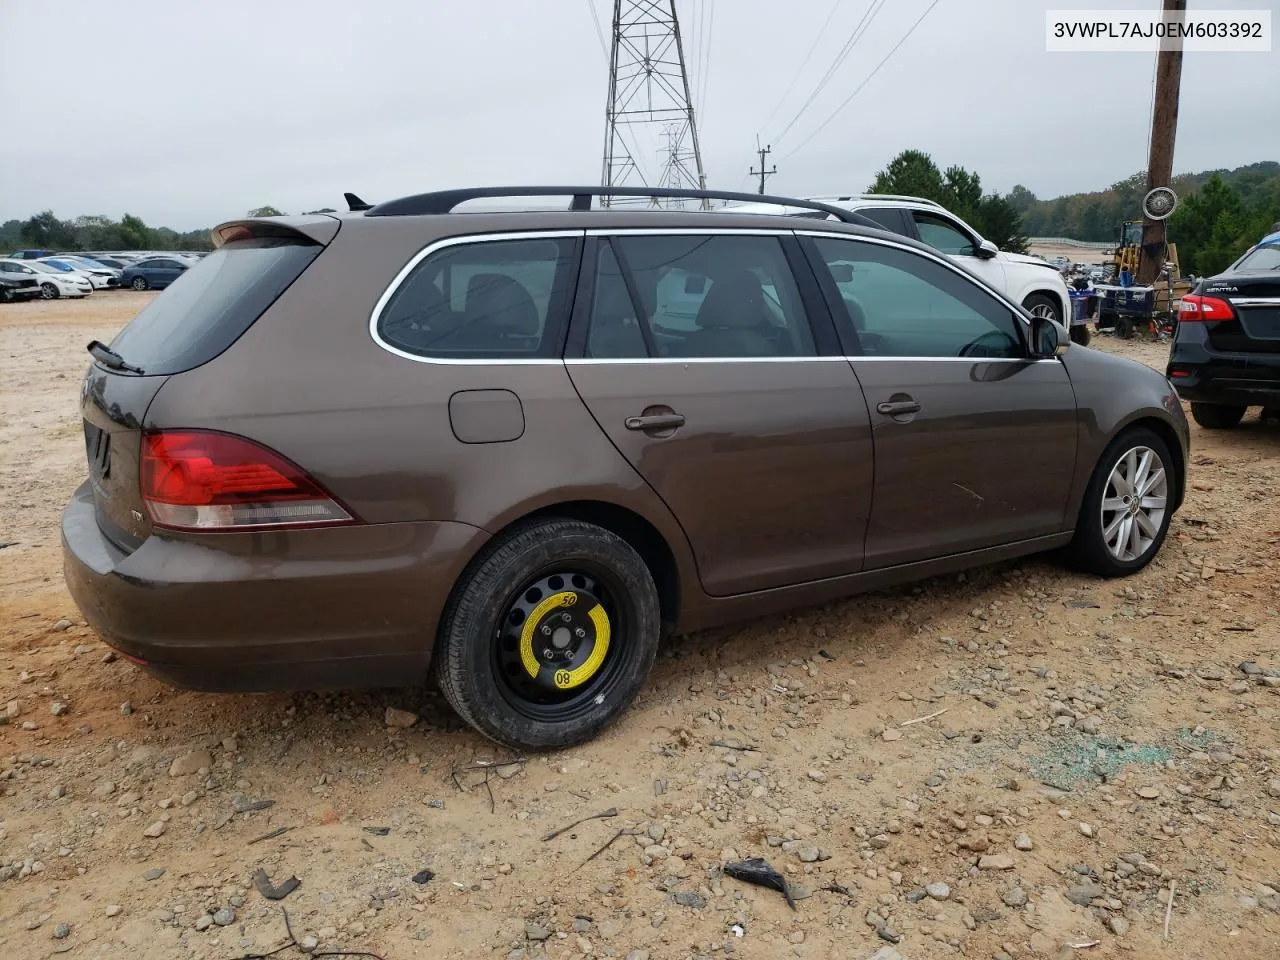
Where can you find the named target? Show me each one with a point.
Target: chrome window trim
(427, 251)
(445, 242)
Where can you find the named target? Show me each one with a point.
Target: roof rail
(886, 196)
(444, 201)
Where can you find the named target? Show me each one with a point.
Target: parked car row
(38, 273)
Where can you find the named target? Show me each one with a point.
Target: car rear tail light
(202, 480)
(1200, 309)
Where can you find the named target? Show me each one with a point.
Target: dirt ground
(1017, 762)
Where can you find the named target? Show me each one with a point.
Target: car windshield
(61, 265)
(43, 267)
(1265, 259)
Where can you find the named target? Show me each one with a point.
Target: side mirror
(987, 250)
(1048, 338)
(841, 272)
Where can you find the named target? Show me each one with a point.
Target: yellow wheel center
(552, 606)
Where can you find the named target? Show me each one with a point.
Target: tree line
(1220, 214)
(45, 231)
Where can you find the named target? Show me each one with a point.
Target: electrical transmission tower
(648, 84)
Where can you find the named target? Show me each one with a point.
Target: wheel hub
(555, 637)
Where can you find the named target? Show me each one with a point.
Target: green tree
(134, 234)
(267, 211)
(46, 231)
(913, 173)
(963, 191)
(998, 221)
(1212, 227)
(1021, 199)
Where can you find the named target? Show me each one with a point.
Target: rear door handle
(656, 421)
(896, 408)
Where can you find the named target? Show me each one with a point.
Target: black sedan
(1225, 355)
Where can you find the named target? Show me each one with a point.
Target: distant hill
(1095, 216)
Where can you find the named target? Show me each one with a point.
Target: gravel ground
(1016, 762)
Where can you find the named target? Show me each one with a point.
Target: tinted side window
(716, 296)
(903, 304)
(888, 217)
(484, 300)
(943, 235)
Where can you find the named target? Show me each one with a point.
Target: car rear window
(1260, 260)
(209, 306)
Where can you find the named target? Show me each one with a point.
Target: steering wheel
(978, 348)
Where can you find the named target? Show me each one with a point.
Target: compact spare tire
(1127, 506)
(549, 634)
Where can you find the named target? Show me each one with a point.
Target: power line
(858, 90)
(822, 30)
(863, 25)
(706, 66)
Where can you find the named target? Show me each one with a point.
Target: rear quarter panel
(308, 380)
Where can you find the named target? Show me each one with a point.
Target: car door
(715, 371)
(950, 237)
(161, 273)
(975, 442)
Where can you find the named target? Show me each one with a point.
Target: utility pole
(1164, 126)
(762, 172)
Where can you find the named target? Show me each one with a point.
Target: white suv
(1030, 281)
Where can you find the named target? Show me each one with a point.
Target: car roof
(434, 226)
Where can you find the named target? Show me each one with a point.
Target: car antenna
(354, 203)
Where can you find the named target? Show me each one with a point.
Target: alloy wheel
(1134, 503)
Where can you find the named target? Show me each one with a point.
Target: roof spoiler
(308, 228)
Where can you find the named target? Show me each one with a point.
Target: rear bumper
(1203, 376)
(333, 608)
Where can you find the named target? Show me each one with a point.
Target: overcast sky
(187, 114)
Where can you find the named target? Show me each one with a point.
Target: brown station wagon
(514, 448)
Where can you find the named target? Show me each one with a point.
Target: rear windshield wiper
(109, 358)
